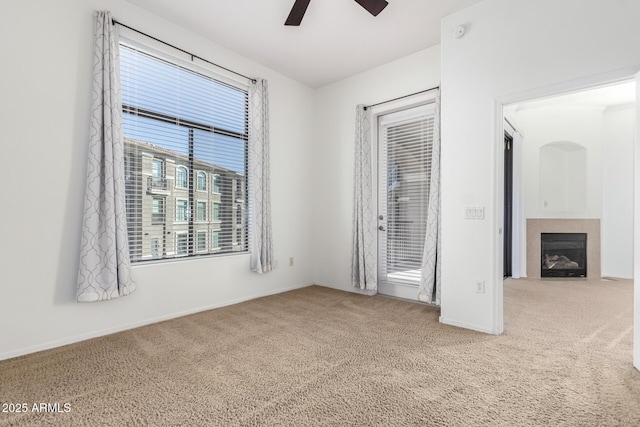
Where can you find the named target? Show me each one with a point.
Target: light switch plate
(474, 212)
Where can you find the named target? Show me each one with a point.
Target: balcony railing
(157, 184)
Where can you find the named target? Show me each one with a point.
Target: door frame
(613, 77)
(507, 258)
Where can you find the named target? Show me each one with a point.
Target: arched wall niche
(563, 177)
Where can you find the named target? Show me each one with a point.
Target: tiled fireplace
(572, 228)
(563, 255)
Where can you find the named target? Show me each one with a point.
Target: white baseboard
(83, 337)
(471, 326)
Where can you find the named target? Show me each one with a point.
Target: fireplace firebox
(563, 255)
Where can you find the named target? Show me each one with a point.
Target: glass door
(405, 141)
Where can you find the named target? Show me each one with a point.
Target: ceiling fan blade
(374, 7)
(297, 12)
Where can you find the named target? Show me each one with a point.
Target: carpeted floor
(321, 357)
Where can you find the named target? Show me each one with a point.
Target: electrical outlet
(480, 286)
(290, 261)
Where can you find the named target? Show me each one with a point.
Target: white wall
(334, 154)
(617, 210)
(45, 82)
(578, 194)
(513, 50)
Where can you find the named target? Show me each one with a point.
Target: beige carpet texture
(322, 357)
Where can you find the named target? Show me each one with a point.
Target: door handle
(381, 228)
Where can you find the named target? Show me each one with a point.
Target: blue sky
(174, 91)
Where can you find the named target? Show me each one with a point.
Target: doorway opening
(568, 160)
(508, 206)
(572, 173)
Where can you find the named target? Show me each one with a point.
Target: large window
(182, 127)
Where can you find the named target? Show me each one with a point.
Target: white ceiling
(337, 38)
(601, 97)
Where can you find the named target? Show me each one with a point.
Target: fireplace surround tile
(536, 226)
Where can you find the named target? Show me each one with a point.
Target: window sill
(149, 262)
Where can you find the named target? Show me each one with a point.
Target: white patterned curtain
(259, 181)
(363, 261)
(429, 288)
(105, 271)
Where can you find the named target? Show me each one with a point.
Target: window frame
(197, 241)
(216, 185)
(215, 240)
(155, 215)
(216, 213)
(186, 211)
(201, 188)
(177, 182)
(162, 168)
(178, 235)
(205, 217)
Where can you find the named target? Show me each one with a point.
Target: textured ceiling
(337, 38)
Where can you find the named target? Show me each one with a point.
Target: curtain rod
(401, 97)
(114, 22)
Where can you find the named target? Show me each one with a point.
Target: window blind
(405, 161)
(185, 137)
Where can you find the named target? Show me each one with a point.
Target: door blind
(185, 138)
(406, 150)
